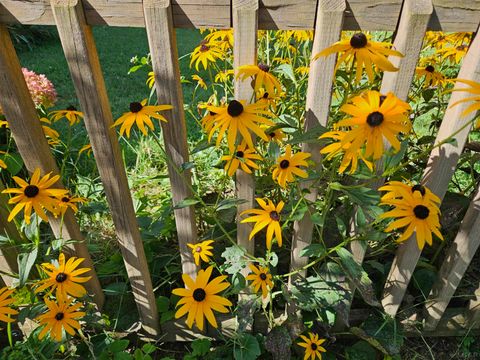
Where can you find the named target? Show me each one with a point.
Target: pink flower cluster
(41, 89)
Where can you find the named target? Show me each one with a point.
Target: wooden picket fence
(409, 19)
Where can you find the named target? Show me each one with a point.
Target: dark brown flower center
(421, 212)
(272, 134)
(65, 199)
(265, 96)
(284, 164)
(31, 191)
(264, 67)
(199, 295)
(375, 118)
(61, 277)
(235, 108)
(263, 276)
(358, 40)
(314, 346)
(59, 316)
(382, 99)
(204, 48)
(198, 249)
(71, 108)
(274, 215)
(212, 113)
(419, 188)
(239, 154)
(135, 107)
(430, 69)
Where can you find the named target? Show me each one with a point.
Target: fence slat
(163, 49)
(473, 311)
(245, 14)
(319, 94)
(81, 54)
(456, 262)
(440, 168)
(28, 134)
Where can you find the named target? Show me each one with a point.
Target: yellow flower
(263, 97)
(268, 216)
(199, 81)
(238, 117)
(397, 190)
(86, 148)
(201, 251)
(288, 165)
(454, 54)
(67, 202)
(199, 298)
(150, 79)
(204, 54)
(373, 117)
(3, 123)
(263, 78)
(242, 157)
(61, 315)
(303, 70)
(36, 194)
(276, 135)
(432, 76)
(222, 39)
(365, 52)
(419, 213)
(474, 89)
(52, 135)
(70, 113)
(3, 165)
(312, 345)
(65, 277)
(223, 76)
(141, 114)
(339, 148)
(260, 278)
(5, 301)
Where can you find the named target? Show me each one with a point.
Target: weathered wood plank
(163, 48)
(81, 54)
(456, 262)
(33, 147)
(319, 94)
(449, 15)
(245, 15)
(440, 168)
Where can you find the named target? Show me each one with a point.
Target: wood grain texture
(32, 145)
(456, 262)
(163, 49)
(82, 58)
(319, 93)
(440, 168)
(245, 15)
(449, 15)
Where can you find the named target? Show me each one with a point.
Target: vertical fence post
(440, 168)
(245, 22)
(163, 49)
(28, 134)
(81, 54)
(328, 28)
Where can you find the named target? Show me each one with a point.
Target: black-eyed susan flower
(433, 76)
(288, 165)
(373, 117)
(5, 301)
(150, 79)
(263, 78)
(339, 148)
(70, 113)
(204, 54)
(417, 213)
(269, 216)
(69, 202)
(303, 70)
(268, 98)
(199, 298)
(398, 189)
(64, 278)
(365, 52)
(224, 76)
(276, 135)
(201, 251)
(261, 279)
(313, 346)
(454, 54)
(3, 164)
(141, 114)
(242, 157)
(238, 117)
(200, 81)
(474, 89)
(52, 135)
(85, 149)
(35, 195)
(60, 316)
(222, 39)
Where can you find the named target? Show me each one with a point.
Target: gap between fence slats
(163, 49)
(456, 262)
(440, 168)
(82, 58)
(319, 94)
(244, 53)
(32, 145)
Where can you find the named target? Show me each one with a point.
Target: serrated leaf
(313, 250)
(229, 203)
(310, 136)
(186, 203)
(246, 348)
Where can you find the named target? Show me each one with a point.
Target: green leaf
(186, 166)
(14, 163)
(186, 203)
(361, 196)
(394, 159)
(357, 276)
(310, 136)
(299, 213)
(118, 346)
(25, 263)
(119, 288)
(287, 70)
(317, 219)
(313, 250)
(229, 203)
(246, 348)
(238, 283)
(163, 303)
(428, 94)
(234, 261)
(148, 348)
(385, 334)
(122, 356)
(201, 347)
(167, 316)
(423, 280)
(361, 350)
